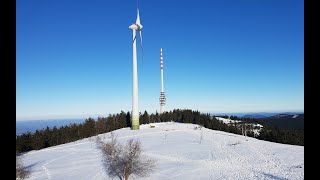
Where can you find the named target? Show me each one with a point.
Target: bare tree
(21, 171)
(244, 130)
(122, 161)
(201, 137)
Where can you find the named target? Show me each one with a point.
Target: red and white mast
(162, 96)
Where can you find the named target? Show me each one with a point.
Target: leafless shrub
(21, 171)
(122, 161)
(99, 142)
(198, 127)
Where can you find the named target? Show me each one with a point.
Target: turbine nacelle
(136, 27)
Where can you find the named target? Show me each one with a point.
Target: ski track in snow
(47, 170)
(272, 164)
(98, 174)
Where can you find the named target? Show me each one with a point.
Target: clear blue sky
(74, 58)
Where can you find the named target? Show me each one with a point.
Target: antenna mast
(162, 96)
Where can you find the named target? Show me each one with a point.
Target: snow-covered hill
(254, 127)
(180, 154)
(227, 121)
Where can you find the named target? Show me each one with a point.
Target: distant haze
(258, 114)
(33, 125)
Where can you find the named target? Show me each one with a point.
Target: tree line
(90, 127)
(274, 132)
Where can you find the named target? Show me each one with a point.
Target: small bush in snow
(122, 161)
(21, 171)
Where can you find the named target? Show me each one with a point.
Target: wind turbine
(135, 112)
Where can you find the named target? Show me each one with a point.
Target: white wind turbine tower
(162, 96)
(135, 112)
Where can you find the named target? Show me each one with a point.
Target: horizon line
(94, 116)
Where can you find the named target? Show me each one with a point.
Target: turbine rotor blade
(140, 33)
(138, 17)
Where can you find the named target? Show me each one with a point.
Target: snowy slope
(256, 128)
(179, 154)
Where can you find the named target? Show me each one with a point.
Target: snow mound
(181, 152)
